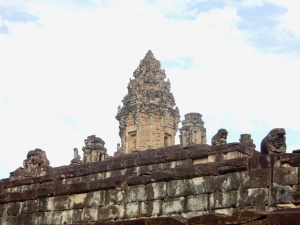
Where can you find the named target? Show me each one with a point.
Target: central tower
(148, 118)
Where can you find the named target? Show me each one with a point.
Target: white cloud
(289, 21)
(68, 73)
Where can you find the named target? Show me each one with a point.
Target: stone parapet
(168, 183)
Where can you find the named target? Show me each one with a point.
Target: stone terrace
(171, 185)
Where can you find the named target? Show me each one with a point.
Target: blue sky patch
(14, 15)
(185, 63)
(71, 122)
(262, 23)
(3, 29)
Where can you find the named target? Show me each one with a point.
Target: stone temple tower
(148, 118)
(192, 130)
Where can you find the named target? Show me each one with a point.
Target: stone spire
(148, 118)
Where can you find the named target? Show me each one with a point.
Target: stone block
(42, 205)
(285, 176)
(74, 216)
(162, 175)
(45, 192)
(184, 172)
(135, 193)
(256, 178)
(15, 197)
(108, 212)
(201, 185)
(62, 190)
(216, 158)
(227, 182)
(291, 159)
(131, 171)
(77, 201)
(189, 215)
(38, 218)
(150, 208)
(21, 220)
(2, 210)
(206, 169)
(200, 161)
(173, 206)
(156, 191)
(196, 203)
(4, 198)
(296, 194)
(137, 180)
(262, 161)
(225, 211)
(199, 152)
(158, 166)
(178, 155)
(253, 197)
(234, 155)
(55, 217)
(129, 210)
(90, 214)
(174, 164)
(280, 194)
(234, 165)
(95, 199)
(29, 207)
(78, 188)
(12, 209)
(178, 188)
(62, 202)
(115, 196)
(144, 169)
(225, 199)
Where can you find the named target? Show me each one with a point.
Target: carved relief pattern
(149, 105)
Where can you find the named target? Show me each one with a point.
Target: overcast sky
(65, 66)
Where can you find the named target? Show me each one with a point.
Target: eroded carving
(35, 164)
(148, 118)
(274, 142)
(220, 138)
(246, 140)
(77, 157)
(94, 149)
(192, 131)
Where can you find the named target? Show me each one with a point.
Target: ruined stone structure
(247, 140)
(94, 149)
(188, 184)
(148, 119)
(192, 130)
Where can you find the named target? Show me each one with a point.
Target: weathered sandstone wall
(170, 185)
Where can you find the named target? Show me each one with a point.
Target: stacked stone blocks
(167, 184)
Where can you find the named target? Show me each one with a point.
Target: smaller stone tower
(192, 130)
(94, 149)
